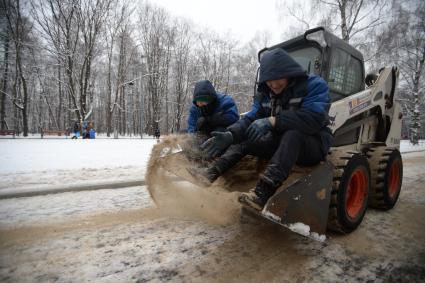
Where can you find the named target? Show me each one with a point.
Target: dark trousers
(284, 151)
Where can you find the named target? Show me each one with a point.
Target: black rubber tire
(384, 192)
(347, 164)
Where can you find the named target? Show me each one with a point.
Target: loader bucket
(303, 204)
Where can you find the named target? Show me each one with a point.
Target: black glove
(206, 124)
(201, 123)
(218, 143)
(258, 128)
(215, 118)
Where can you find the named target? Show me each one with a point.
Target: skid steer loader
(364, 166)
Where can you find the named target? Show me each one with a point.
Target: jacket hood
(277, 64)
(204, 91)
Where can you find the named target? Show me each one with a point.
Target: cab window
(308, 58)
(345, 74)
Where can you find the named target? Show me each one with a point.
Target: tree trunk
(344, 28)
(59, 110)
(25, 108)
(84, 85)
(415, 124)
(109, 105)
(25, 89)
(4, 81)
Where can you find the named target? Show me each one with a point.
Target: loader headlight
(317, 35)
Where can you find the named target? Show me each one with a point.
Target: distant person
(84, 130)
(87, 133)
(76, 130)
(211, 111)
(92, 134)
(157, 133)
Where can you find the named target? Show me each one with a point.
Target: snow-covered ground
(37, 163)
(117, 235)
(25, 155)
(406, 146)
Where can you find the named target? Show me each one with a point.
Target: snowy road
(25, 211)
(118, 235)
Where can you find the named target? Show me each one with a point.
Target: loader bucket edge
(303, 206)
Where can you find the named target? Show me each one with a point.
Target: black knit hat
(204, 91)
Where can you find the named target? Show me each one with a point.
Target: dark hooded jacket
(220, 113)
(303, 105)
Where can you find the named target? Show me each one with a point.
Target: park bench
(7, 133)
(45, 132)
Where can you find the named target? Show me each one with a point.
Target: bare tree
(181, 55)
(19, 29)
(213, 57)
(402, 43)
(245, 66)
(96, 62)
(154, 37)
(115, 22)
(301, 12)
(72, 29)
(127, 55)
(354, 16)
(5, 38)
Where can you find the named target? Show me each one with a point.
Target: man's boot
(206, 176)
(258, 197)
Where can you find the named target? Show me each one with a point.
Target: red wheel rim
(394, 179)
(356, 193)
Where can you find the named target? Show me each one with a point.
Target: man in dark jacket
(287, 124)
(210, 111)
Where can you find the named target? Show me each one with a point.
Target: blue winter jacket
(303, 106)
(226, 110)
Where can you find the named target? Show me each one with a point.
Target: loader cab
(321, 53)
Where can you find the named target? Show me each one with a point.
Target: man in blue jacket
(287, 124)
(210, 111)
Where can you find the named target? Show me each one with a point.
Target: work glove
(258, 128)
(216, 117)
(201, 123)
(217, 144)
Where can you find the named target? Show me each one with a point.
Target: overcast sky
(242, 18)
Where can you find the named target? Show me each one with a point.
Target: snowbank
(23, 155)
(406, 146)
